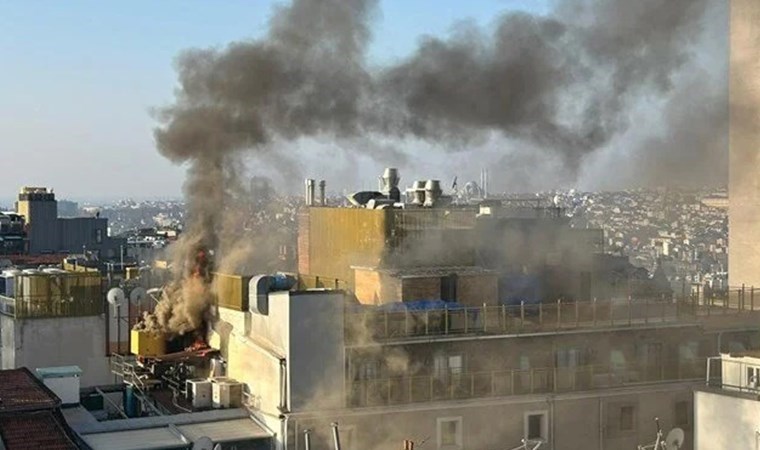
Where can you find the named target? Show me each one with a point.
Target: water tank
(10, 282)
(131, 403)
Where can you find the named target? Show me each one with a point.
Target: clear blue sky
(78, 78)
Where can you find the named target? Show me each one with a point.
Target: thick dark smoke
(564, 83)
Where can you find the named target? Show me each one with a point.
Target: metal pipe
(336, 435)
(309, 194)
(322, 199)
(307, 439)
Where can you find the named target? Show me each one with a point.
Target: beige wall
(65, 341)
(574, 422)
(744, 160)
(478, 289)
(726, 421)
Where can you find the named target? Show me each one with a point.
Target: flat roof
(416, 272)
(177, 436)
(225, 430)
(147, 438)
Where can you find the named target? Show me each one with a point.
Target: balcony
(376, 325)
(734, 373)
(504, 383)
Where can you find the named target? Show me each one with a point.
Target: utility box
(63, 381)
(199, 391)
(226, 393)
(147, 344)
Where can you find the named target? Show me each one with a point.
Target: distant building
(67, 208)
(46, 232)
(12, 234)
(744, 166)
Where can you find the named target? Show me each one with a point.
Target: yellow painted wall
(345, 237)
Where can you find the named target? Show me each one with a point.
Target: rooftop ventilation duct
(432, 192)
(309, 194)
(418, 193)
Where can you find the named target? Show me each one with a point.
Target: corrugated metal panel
(225, 430)
(149, 438)
(231, 291)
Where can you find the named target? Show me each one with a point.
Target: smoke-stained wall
(744, 187)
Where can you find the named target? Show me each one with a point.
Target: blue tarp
(420, 305)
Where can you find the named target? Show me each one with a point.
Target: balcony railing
(501, 383)
(47, 306)
(733, 375)
(377, 324)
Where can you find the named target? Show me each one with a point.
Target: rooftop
(29, 414)
(20, 390)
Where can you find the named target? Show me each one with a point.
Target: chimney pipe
(309, 197)
(307, 439)
(322, 198)
(336, 435)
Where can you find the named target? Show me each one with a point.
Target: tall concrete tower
(744, 158)
(39, 208)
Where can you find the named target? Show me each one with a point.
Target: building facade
(744, 155)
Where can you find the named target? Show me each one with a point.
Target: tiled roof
(30, 418)
(36, 431)
(22, 391)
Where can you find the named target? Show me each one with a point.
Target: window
(98, 236)
(622, 418)
(683, 414)
(536, 425)
(627, 422)
(449, 433)
(568, 358)
(445, 366)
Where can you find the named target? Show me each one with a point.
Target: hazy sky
(79, 77)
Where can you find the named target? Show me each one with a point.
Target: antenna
(203, 443)
(138, 294)
(675, 439)
(116, 296)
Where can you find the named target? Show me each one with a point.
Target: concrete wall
(420, 288)
(478, 289)
(573, 421)
(744, 155)
(726, 420)
(316, 354)
(254, 344)
(68, 341)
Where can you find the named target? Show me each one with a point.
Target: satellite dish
(116, 296)
(675, 438)
(203, 443)
(137, 295)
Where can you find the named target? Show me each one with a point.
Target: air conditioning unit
(226, 393)
(199, 393)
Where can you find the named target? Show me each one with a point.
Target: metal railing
(376, 324)
(501, 383)
(47, 306)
